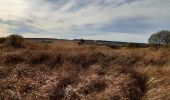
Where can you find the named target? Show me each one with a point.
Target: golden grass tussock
(67, 71)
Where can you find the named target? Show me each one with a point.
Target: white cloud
(126, 37)
(5, 30)
(67, 6)
(12, 9)
(43, 15)
(37, 35)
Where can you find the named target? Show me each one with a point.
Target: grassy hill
(68, 71)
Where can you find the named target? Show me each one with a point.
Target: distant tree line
(159, 38)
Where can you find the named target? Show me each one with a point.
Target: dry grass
(66, 71)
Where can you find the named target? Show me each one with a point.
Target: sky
(113, 20)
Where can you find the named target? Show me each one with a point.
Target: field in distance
(68, 71)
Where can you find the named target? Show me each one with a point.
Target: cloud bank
(117, 20)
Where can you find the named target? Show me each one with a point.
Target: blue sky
(115, 20)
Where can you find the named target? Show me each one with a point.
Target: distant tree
(14, 40)
(161, 37)
(82, 41)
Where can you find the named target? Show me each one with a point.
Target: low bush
(133, 45)
(2, 40)
(15, 41)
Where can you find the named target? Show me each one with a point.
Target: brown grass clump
(93, 86)
(39, 57)
(13, 58)
(157, 84)
(66, 71)
(57, 88)
(46, 57)
(85, 60)
(60, 91)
